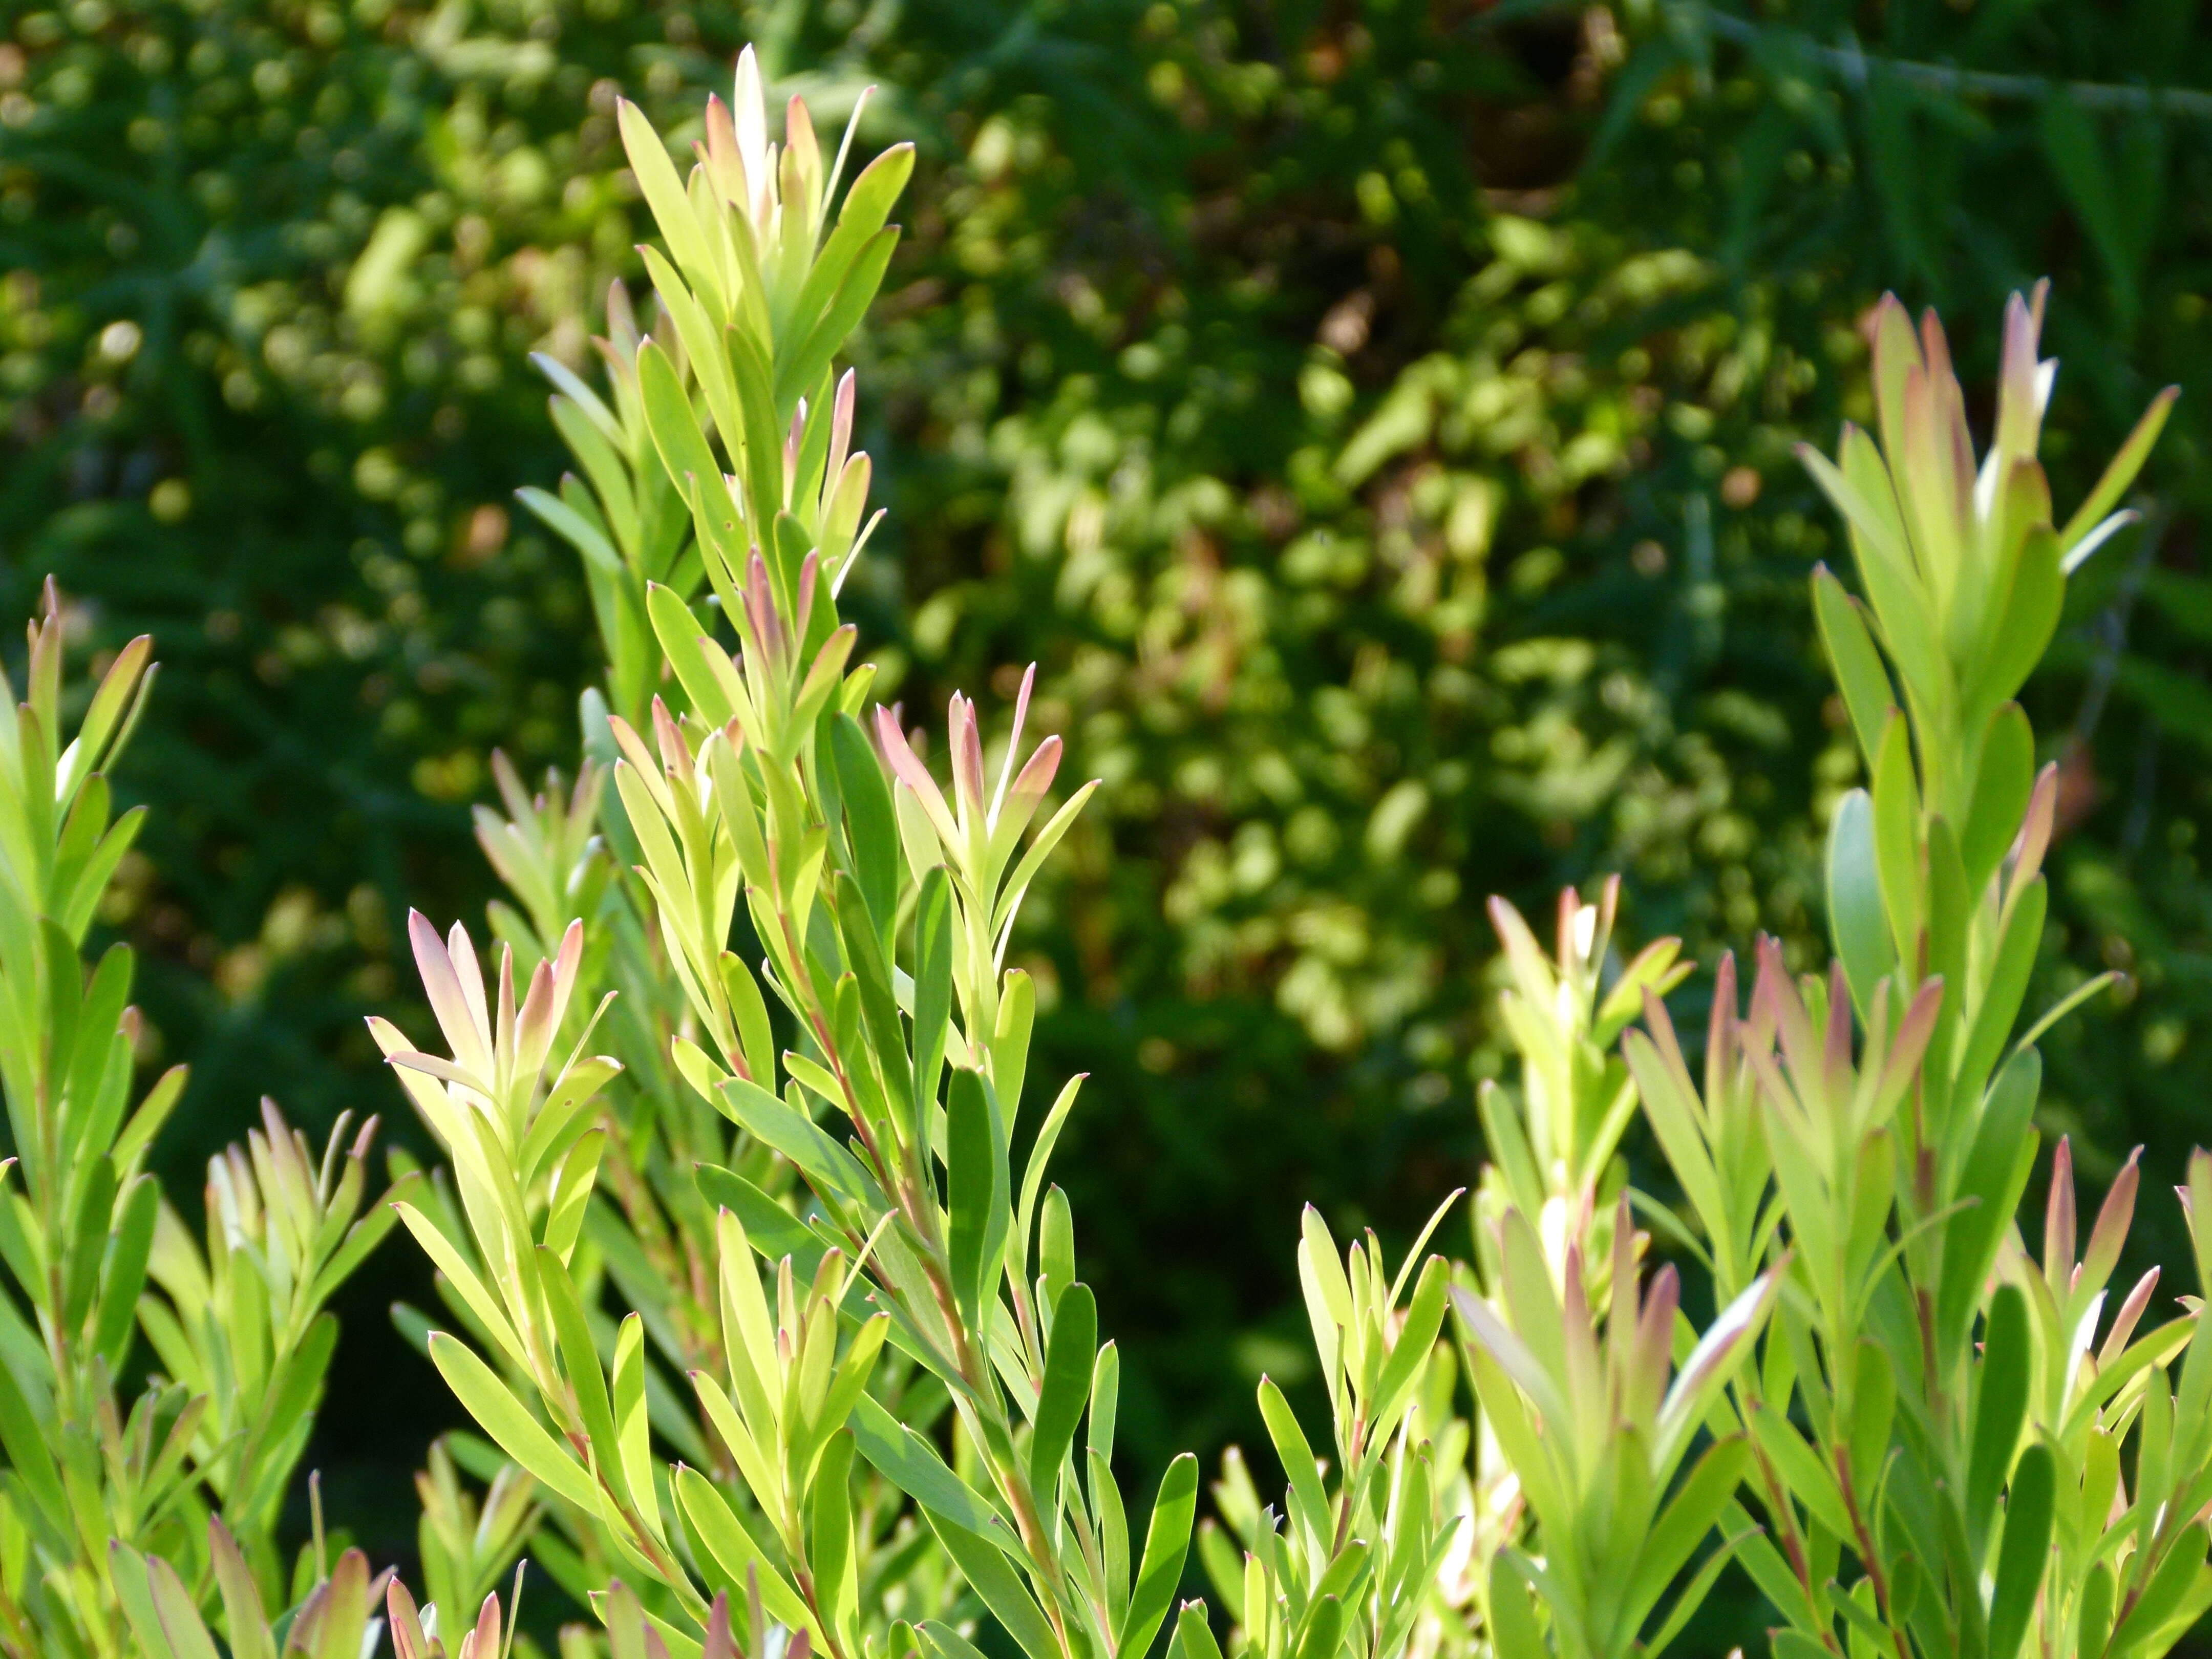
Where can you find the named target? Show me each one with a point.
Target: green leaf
(912, 1464)
(1856, 1608)
(1807, 1478)
(1309, 1502)
(245, 1617)
(932, 983)
(1693, 1595)
(871, 972)
(684, 642)
(664, 192)
(1995, 1171)
(697, 335)
(2120, 471)
(977, 1185)
(1069, 1359)
(95, 1220)
(1409, 1355)
(567, 383)
(2000, 1407)
(1166, 1541)
(1877, 534)
(1105, 1398)
(580, 1359)
(771, 1227)
(1708, 1490)
(2031, 617)
(1874, 1409)
(837, 323)
(1324, 1629)
(756, 1037)
(1508, 1143)
(1010, 1043)
(829, 1526)
(832, 1170)
(1040, 845)
(992, 1577)
(2095, 1620)
(29, 1454)
(186, 1634)
(1513, 1613)
(674, 426)
(1763, 1561)
(127, 1255)
(867, 205)
(2163, 1593)
(573, 527)
(1859, 673)
(2007, 988)
(1192, 1639)
(872, 823)
(362, 1238)
(627, 1390)
(153, 1112)
(1113, 1534)
(763, 459)
(564, 1219)
(1856, 921)
(943, 1642)
(1056, 1244)
(2001, 792)
(501, 1415)
(735, 1552)
(1949, 916)
(117, 702)
(126, 1570)
(2026, 1550)
(850, 1380)
(1033, 1171)
(1897, 837)
(449, 1261)
(290, 1396)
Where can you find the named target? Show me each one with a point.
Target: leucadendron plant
(1939, 1425)
(122, 1517)
(1425, 1532)
(817, 928)
(1394, 1537)
(1352, 1561)
(772, 1343)
(1911, 1434)
(1586, 1420)
(654, 1156)
(335, 1618)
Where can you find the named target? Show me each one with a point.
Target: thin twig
(1858, 66)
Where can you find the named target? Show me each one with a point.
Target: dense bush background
(1376, 420)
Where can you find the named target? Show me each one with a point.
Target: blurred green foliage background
(1376, 420)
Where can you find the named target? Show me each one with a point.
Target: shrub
(901, 1425)
(1140, 325)
(114, 1514)
(1921, 1489)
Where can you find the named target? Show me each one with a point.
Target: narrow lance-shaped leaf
(1167, 1541)
(1069, 1360)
